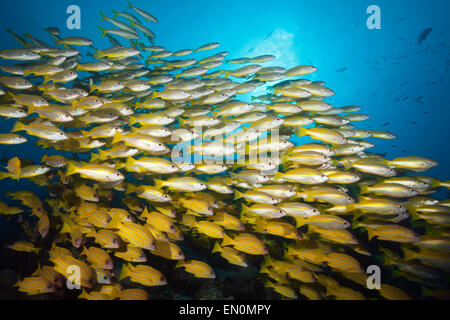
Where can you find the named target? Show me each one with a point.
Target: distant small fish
(423, 35)
(268, 35)
(341, 69)
(385, 124)
(413, 122)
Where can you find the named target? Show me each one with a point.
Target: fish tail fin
(84, 252)
(244, 209)
(156, 94)
(114, 223)
(226, 240)
(278, 175)
(120, 165)
(371, 233)
(302, 132)
(117, 137)
(181, 121)
(95, 156)
(91, 234)
(129, 162)
(158, 183)
(71, 168)
(84, 294)
(103, 15)
(237, 194)
(47, 78)
(427, 292)
(18, 126)
(260, 225)
(299, 221)
(65, 228)
(216, 247)
(445, 184)
(130, 6)
(180, 264)
(102, 155)
(132, 120)
(408, 254)
(124, 272)
(284, 158)
(115, 14)
(130, 189)
(364, 189)
(102, 30)
(356, 224)
(413, 213)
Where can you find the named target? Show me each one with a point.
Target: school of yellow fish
(163, 148)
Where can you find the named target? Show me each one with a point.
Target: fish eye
(116, 241)
(141, 255)
(162, 279)
(117, 174)
(180, 253)
(154, 243)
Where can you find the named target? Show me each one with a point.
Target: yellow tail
(408, 254)
(302, 132)
(237, 195)
(125, 272)
(158, 183)
(371, 233)
(117, 137)
(71, 168)
(299, 221)
(18, 126)
(216, 247)
(226, 240)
